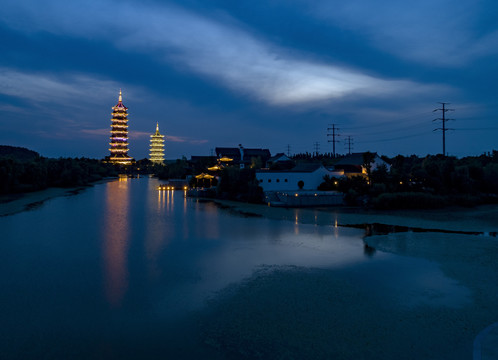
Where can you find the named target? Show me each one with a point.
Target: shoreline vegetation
(431, 182)
(24, 171)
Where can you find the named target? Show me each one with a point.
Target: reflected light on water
(157, 232)
(116, 238)
(336, 228)
(160, 200)
(296, 224)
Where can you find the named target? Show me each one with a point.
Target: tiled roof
(352, 159)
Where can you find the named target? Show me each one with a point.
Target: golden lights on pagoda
(157, 147)
(119, 134)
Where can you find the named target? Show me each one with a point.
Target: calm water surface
(124, 271)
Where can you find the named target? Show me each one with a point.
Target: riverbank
(478, 219)
(459, 314)
(15, 203)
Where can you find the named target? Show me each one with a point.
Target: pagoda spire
(157, 147)
(119, 134)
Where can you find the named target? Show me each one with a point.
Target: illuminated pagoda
(157, 147)
(119, 134)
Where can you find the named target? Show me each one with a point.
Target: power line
(349, 143)
(392, 139)
(477, 129)
(404, 128)
(334, 134)
(386, 123)
(443, 120)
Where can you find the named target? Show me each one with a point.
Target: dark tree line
(31, 173)
(239, 184)
(429, 182)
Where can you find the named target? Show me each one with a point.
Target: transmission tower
(443, 120)
(288, 150)
(316, 145)
(334, 134)
(349, 143)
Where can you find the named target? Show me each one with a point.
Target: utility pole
(288, 150)
(349, 143)
(334, 134)
(317, 147)
(443, 119)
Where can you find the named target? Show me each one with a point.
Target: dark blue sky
(262, 74)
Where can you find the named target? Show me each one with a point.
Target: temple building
(157, 147)
(119, 134)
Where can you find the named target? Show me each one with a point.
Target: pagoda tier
(119, 134)
(157, 147)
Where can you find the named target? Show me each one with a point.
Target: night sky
(258, 73)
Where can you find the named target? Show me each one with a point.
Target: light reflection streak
(296, 224)
(116, 238)
(156, 229)
(336, 228)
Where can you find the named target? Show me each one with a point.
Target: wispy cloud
(219, 50)
(137, 135)
(436, 32)
(181, 139)
(96, 132)
(54, 88)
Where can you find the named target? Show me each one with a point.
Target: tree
(368, 158)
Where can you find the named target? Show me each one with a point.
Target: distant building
(119, 134)
(354, 164)
(306, 176)
(157, 147)
(280, 161)
(243, 157)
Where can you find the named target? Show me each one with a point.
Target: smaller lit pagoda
(119, 134)
(157, 147)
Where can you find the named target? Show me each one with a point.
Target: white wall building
(288, 180)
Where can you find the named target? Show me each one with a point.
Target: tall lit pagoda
(119, 134)
(157, 147)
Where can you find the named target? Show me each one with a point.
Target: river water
(124, 271)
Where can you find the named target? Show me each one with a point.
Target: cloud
(219, 50)
(435, 32)
(181, 139)
(136, 135)
(54, 88)
(139, 135)
(97, 132)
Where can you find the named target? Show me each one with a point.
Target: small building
(354, 164)
(243, 157)
(280, 162)
(302, 177)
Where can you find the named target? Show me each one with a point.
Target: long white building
(302, 177)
